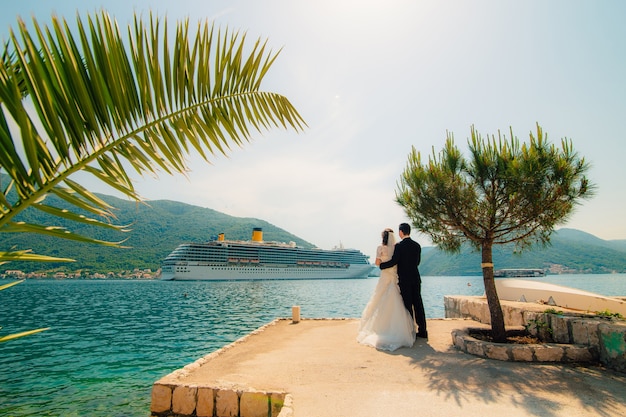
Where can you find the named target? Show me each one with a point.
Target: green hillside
(156, 230)
(571, 251)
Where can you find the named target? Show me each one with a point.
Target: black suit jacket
(407, 254)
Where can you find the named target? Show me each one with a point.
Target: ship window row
(262, 260)
(266, 255)
(265, 270)
(265, 258)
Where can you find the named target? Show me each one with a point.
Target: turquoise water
(110, 340)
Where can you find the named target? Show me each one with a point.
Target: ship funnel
(257, 234)
(220, 237)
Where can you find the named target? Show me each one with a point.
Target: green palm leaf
(26, 255)
(103, 105)
(21, 334)
(10, 284)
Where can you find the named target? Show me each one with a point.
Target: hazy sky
(374, 78)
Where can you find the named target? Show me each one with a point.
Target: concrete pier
(316, 368)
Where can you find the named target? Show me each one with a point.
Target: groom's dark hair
(405, 228)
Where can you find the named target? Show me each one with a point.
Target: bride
(385, 323)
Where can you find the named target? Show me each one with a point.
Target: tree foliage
(504, 192)
(101, 104)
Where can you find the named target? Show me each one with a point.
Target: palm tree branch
(21, 334)
(104, 110)
(78, 218)
(171, 149)
(10, 284)
(55, 231)
(27, 255)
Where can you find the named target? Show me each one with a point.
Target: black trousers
(412, 296)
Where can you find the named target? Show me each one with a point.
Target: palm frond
(54, 231)
(28, 255)
(10, 284)
(104, 104)
(21, 334)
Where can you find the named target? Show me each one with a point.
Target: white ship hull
(257, 259)
(226, 273)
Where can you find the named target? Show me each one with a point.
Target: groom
(407, 255)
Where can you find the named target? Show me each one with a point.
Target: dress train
(385, 323)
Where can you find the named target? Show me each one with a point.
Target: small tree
(504, 193)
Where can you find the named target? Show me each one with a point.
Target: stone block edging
(540, 352)
(206, 401)
(605, 336)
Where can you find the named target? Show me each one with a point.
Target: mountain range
(569, 251)
(156, 229)
(160, 226)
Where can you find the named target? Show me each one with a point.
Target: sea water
(109, 341)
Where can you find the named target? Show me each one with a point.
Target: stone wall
(170, 398)
(558, 325)
(202, 401)
(538, 352)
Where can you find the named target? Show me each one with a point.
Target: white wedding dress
(385, 323)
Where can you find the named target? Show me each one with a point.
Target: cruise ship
(256, 259)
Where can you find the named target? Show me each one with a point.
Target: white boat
(257, 260)
(557, 295)
(519, 273)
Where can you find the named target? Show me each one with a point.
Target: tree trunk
(495, 309)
